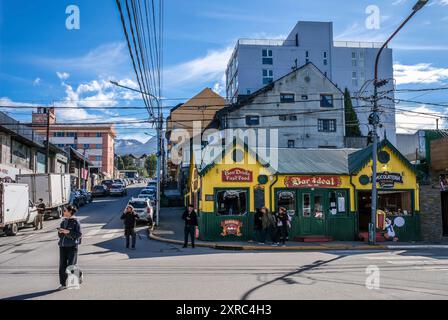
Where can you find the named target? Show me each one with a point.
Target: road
(29, 262)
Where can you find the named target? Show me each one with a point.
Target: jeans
(282, 234)
(130, 233)
(68, 256)
(189, 231)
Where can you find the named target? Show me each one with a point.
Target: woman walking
(69, 239)
(283, 223)
(130, 218)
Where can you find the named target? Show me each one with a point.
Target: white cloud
(37, 81)
(63, 75)
(419, 73)
(200, 71)
(443, 2)
(397, 2)
(410, 122)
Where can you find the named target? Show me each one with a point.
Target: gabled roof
(358, 160)
(270, 86)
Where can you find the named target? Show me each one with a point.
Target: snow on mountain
(135, 147)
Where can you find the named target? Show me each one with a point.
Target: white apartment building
(348, 64)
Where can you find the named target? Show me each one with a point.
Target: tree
(151, 165)
(351, 118)
(120, 163)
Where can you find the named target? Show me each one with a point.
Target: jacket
(191, 219)
(129, 220)
(41, 208)
(73, 239)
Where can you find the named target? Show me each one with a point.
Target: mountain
(135, 147)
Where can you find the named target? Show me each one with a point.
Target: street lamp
(159, 142)
(374, 120)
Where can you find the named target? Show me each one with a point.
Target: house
(349, 64)
(304, 106)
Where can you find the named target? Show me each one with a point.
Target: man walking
(40, 215)
(130, 218)
(191, 222)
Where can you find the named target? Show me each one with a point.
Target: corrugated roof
(314, 161)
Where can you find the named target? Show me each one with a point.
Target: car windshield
(147, 192)
(99, 188)
(138, 204)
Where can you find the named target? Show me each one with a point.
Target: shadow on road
(32, 295)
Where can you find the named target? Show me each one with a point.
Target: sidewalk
(171, 230)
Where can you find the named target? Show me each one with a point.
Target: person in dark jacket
(69, 239)
(283, 224)
(130, 218)
(40, 215)
(191, 222)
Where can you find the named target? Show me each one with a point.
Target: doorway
(311, 211)
(444, 197)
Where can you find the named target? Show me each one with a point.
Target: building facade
(304, 106)
(349, 64)
(23, 151)
(96, 142)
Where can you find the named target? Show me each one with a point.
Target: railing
(266, 42)
(21, 130)
(357, 44)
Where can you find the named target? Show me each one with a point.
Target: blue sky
(41, 61)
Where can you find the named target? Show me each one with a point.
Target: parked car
(152, 183)
(118, 190)
(107, 183)
(120, 181)
(143, 209)
(87, 195)
(100, 191)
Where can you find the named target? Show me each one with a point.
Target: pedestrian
(272, 226)
(258, 226)
(283, 223)
(69, 239)
(40, 215)
(191, 223)
(130, 218)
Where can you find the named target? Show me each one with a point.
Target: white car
(143, 208)
(118, 190)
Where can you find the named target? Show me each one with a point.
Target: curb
(290, 248)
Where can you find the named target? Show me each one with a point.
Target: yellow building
(325, 191)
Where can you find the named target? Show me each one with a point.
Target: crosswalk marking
(112, 233)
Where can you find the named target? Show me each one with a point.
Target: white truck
(53, 188)
(16, 210)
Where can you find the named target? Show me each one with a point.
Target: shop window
(318, 207)
(395, 203)
(306, 205)
(287, 199)
(337, 201)
(231, 202)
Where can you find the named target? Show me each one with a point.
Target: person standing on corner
(130, 218)
(69, 239)
(258, 226)
(40, 215)
(191, 223)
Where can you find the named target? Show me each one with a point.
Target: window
(98, 146)
(268, 76)
(338, 203)
(287, 200)
(297, 39)
(326, 101)
(326, 125)
(354, 61)
(304, 97)
(252, 120)
(283, 118)
(354, 79)
(59, 134)
(287, 98)
(231, 202)
(98, 158)
(307, 56)
(291, 143)
(267, 56)
(86, 146)
(99, 134)
(20, 154)
(71, 134)
(306, 205)
(293, 118)
(325, 58)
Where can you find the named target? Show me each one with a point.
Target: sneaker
(274, 245)
(261, 243)
(62, 288)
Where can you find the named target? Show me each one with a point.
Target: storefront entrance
(307, 209)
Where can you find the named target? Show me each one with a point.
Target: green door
(311, 210)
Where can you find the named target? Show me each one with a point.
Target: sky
(42, 62)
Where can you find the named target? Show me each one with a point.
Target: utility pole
(374, 120)
(437, 124)
(47, 154)
(159, 126)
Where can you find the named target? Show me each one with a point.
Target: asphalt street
(29, 264)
